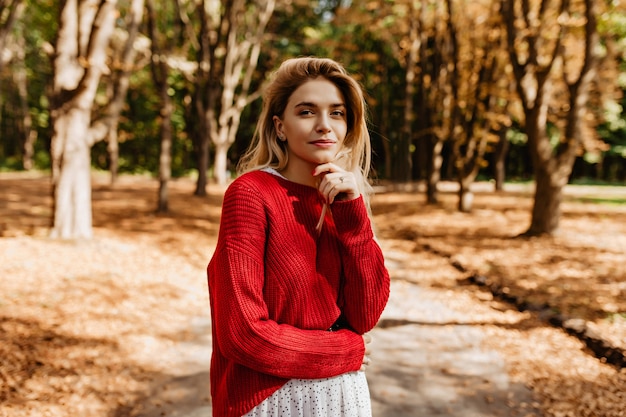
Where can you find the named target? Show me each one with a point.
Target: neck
(300, 174)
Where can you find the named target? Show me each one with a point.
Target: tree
(124, 63)
(404, 161)
(230, 38)
(12, 49)
(480, 91)
(553, 82)
(85, 29)
(416, 32)
(436, 93)
(160, 76)
(366, 37)
(10, 12)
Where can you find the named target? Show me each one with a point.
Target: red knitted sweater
(276, 286)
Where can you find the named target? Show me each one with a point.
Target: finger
(341, 181)
(332, 184)
(325, 169)
(367, 339)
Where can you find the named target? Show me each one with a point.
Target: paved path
(426, 365)
(427, 360)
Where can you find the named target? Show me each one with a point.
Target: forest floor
(115, 326)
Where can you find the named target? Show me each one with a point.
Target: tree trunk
(203, 163)
(548, 178)
(546, 211)
(72, 188)
(227, 91)
(29, 134)
(200, 131)
(85, 31)
(113, 149)
(434, 169)
(502, 147)
(165, 158)
(220, 164)
(552, 164)
(466, 196)
(383, 123)
(405, 161)
(160, 75)
(121, 82)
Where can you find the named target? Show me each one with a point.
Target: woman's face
(314, 124)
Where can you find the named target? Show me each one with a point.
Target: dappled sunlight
(578, 272)
(129, 309)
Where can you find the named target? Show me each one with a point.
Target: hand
(366, 358)
(336, 182)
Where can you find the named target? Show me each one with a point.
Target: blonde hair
(266, 150)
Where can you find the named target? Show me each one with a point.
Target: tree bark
(220, 165)
(499, 165)
(160, 75)
(120, 84)
(536, 78)
(403, 156)
(546, 211)
(203, 164)
(11, 12)
(435, 145)
(466, 196)
(85, 30)
(29, 134)
(226, 78)
(72, 191)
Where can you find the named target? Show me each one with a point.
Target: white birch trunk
(85, 30)
(72, 193)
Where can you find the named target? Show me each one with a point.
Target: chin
(325, 157)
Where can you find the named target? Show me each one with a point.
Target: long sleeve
(366, 286)
(277, 285)
(244, 330)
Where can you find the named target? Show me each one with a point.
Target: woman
(297, 278)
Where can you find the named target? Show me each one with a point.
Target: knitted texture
(276, 286)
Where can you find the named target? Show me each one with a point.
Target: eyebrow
(311, 104)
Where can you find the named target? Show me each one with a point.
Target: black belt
(338, 325)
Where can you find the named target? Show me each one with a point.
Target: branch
(187, 25)
(15, 11)
(578, 90)
(558, 45)
(519, 69)
(591, 40)
(102, 29)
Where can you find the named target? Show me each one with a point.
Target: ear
(278, 126)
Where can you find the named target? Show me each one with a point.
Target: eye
(305, 112)
(338, 113)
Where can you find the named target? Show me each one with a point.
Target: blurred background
(500, 90)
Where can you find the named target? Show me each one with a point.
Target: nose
(323, 123)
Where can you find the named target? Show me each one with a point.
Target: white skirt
(345, 395)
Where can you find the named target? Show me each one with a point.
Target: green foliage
(613, 132)
(12, 163)
(516, 136)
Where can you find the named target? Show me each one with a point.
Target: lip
(323, 142)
